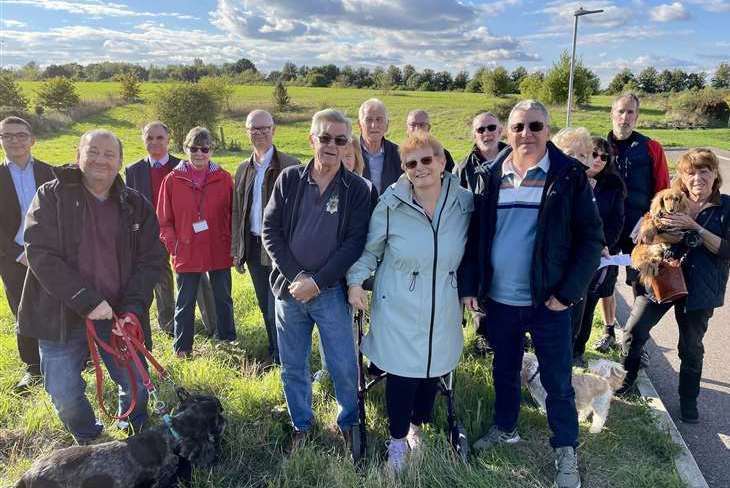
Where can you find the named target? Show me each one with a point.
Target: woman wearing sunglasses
(610, 192)
(415, 244)
(194, 210)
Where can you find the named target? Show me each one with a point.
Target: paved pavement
(709, 441)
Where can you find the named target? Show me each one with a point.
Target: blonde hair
(416, 141)
(698, 158)
(359, 161)
(574, 138)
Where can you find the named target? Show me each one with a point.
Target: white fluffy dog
(593, 389)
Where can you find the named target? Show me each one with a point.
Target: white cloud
(93, 8)
(669, 12)
(713, 5)
(12, 24)
(561, 13)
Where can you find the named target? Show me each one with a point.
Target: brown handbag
(669, 285)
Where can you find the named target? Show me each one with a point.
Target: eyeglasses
(204, 149)
(260, 130)
(490, 128)
(20, 136)
(414, 162)
(339, 140)
(535, 126)
(603, 156)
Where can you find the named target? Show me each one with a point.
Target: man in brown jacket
(93, 250)
(252, 188)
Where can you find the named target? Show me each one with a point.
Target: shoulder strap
(387, 224)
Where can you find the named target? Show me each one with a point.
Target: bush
(281, 97)
(10, 93)
(58, 94)
(221, 88)
(496, 82)
(185, 106)
(555, 86)
(531, 86)
(130, 86)
(699, 108)
(474, 85)
(502, 108)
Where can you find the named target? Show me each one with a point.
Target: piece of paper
(616, 260)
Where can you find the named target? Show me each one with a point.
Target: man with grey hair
(314, 229)
(20, 176)
(145, 176)
(94, 252)
(528, 259)
(419, 120)
(486, 131)
(382, 160)
(252, 188)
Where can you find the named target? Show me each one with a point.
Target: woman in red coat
(194, 210)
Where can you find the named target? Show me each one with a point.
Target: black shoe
(629, 390)
(688, 411)
(26, 382)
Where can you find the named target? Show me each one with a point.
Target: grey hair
(329, 115)
(485, 114)
(88, 135)
(198, 136)
(526, 105)
(153, 124)
(630, 96)
(371, 102)
(417, 112)
(256, 112)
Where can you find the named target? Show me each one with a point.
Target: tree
(11, 95)
(185, 106)
(648, 80)
(460, 80)
(395, 74)
(696, 81)
(58, 93)
(496, 82)
(427, 80)
(315, 78)
(620, 80)
(414, 81)
(130, 86)
(408, 71)
(382, 79)
(722, 76)
(242, 65)
(531, 86)
(679, 80)
(220, 87)
(442, 81)
(289, 71)
(519, 74)
(30, 71)
(555, 87)
(281, 96)
(664, 81)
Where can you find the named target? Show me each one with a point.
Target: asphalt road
(709, 441)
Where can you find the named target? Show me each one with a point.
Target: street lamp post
(578, 13)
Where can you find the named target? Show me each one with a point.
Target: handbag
(669, 285)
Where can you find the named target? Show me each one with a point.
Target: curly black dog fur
(156, 458)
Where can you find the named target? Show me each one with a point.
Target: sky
(438, 34)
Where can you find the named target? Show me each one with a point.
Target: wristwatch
(701, 231)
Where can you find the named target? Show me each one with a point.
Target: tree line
(650, 80)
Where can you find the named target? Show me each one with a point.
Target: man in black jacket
(20, 177)
(382, 160)
(486, 131)
(315, 226)
(93, 250)
(534, 245)
(146, 177)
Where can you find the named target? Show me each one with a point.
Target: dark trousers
(645, 314)
(165, 298)
(409, 401)
(260, 278)
(187, 289)
(13, 276)
(551, 336)
(582, 322)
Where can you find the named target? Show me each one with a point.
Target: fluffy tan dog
(593, 389)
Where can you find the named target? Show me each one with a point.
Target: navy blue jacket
(280, 218)
(610, 194)
(391, 165)
(137, 175)
(569, 233)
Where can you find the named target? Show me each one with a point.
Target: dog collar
(168, 423)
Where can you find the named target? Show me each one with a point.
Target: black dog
(155, 458)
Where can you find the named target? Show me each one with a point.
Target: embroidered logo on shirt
(332, 204)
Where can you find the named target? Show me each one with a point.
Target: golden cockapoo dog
(593, 389)
(652, 241)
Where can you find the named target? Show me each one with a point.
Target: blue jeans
(294, 324)
(187, 291)
(551, 335)
(61, 365)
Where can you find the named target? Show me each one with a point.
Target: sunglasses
(535, 126)
(414, 162)
(339, 140)
(603, 156)
(490, 128)
(194, 149)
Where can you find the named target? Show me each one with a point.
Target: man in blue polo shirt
(533, 247)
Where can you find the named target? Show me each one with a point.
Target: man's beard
(622, 133)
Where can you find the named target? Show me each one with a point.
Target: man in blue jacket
(314, 229)
(535, 242)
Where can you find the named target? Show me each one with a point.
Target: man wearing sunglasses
(419, 120)
(145, 176)
(382, 161)
(20, 176)
(315, 227)
(486, 132)
(252, 188)
(534, 244)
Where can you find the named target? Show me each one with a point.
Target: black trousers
(264, 296)
(692, 324)
(409, 400)
(13, 276)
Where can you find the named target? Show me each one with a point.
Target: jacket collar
(343, 174)
(182, 167)
(402, 191)
(70, 174)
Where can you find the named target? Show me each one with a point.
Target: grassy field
(630, 452)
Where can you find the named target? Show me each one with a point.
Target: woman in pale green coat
(415, 244)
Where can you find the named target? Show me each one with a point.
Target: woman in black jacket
(610, 193)
(705, 233)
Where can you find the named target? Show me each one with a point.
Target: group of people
(514, 233)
